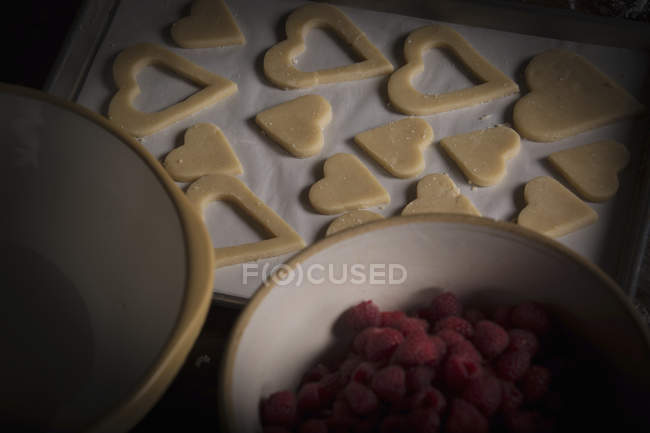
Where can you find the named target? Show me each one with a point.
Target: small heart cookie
(205, 151)
(437, 193)
(297, 125)
(592, 169)
(347, 185)
(482, 155)
(552, 209)
(568, 95)
(210, 24)
(352, 219)
(398, 145)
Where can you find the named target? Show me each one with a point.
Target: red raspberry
(535, 383)
(444, 305)
(501, 316)
(389, 383)
(419, 378)
(531, 316)
(527, 421)
(465, 418)
(342, 418)
(459, 370)
(410, 325)
(474, 316)
(329, 386)
(361, 339)
(381, 344)
(361, 316)
(313, 426)
(416, 349)
(512, 398)
(490, 339)
(391, 318)
(392, 424)
(512, 365)
(441, 347)
(450, 336)
(363, 373)
(347, 367)
(360, 398)
(315, 374)
(279, 409)
(423, 421)
(523, 340)
(458, 324)
(485, 393)
(430, 398)
(464, 347)
(309, 397)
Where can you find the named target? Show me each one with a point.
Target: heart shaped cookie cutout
(210, 24)
(205, 151)
(352, 219)
(482, 155)
(404, 97)
(552, 209)
(568, 95)
(397, 146)
(437, 193)
(347, 185)
(278, 60)
(592, 169)
(297, 125)
(132, 60)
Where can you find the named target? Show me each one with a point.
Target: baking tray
(71, 72)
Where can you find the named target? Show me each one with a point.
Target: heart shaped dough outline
(132, 60)
(278, 65)
(346, 185)
(210, 24)
(482, 155)
(552, 209)
(408, 100)
(297, 125)
(352, 219)
(437, 193)
(205, 150)
(398, 146)
(216, 187)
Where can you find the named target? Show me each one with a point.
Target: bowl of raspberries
(431, 324)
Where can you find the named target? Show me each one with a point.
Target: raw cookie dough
(132, 60)
(223, 187)
(552, 209)
(205, 151)
(210, 24)
(398, 145)
(437, 193)
(482, 155)
(278, 60)
(297, 125)
(568, 95)
(352, 219)
(592, 169)
(495, 84)
(347, 185)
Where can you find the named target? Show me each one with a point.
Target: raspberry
(389, 383)
(458, 324)
(501, 316)
(531, 316)
(347, 367)
(450, 336)
(459, 370)
(430, 398)
(485, 393)
(329, 386)
(391, 318)
(315, 374)
(535, 383)
(419, 378)
(313, 426)
(279, 409)
(490, 339)
(410, 325)
(512, 365)
(381, 344)
(423, 421)
(342, 417)
(416, 349)
(464, 347)
(441, 347)
(361, 339)
(392, 424)
(527, 421)
(465, 418)
(361, 316)
(308, 397)
(474, 316)
(523, 340)
(360, 398)
(512, 398)
(363, 373)
(443, 305)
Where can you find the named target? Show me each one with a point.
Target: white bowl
(289, 324)
(106, 273)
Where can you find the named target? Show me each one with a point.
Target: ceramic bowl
(106, 272)
(291, 323)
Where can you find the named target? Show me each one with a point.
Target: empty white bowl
(289, 324)
(106, 272)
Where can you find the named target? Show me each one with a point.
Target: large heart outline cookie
(210, 24)
(278, 60)
(205, 150)
(404, 97)
(217, 187)
(347, 184)
(437, 193)
(132, 60)
(398, 146)
(568, 95)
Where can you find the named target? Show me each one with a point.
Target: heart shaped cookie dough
(132, 60)
(568, 95)
(205, 151)
(223, 187)
(347, 185)
(398, 145)
(297, 125)
(278, 60)
(495, 84)
(482, 155)
(210, 24)
(437, 193)
(552, 209)
(352, 219)
(592, 169)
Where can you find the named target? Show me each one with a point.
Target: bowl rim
(198, 286)
(228, 360)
